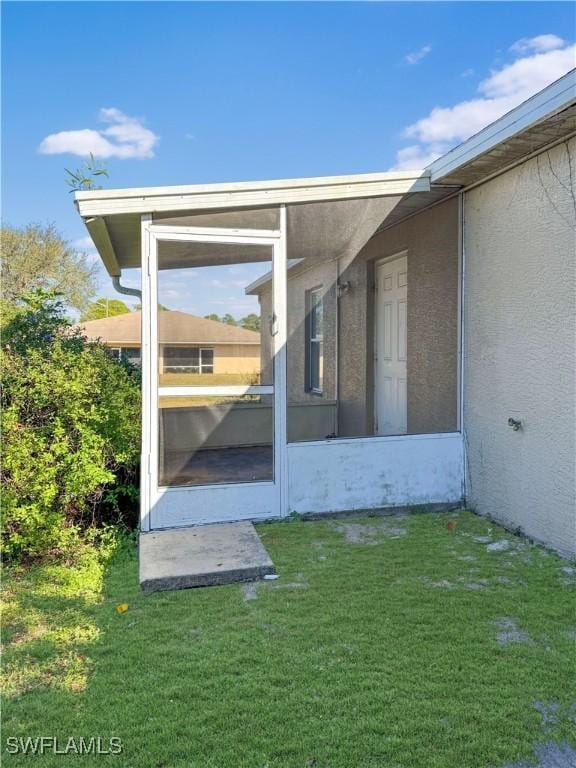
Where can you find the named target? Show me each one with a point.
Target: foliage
(251, 322)
(368, 655)
(104, 308)
(36, 257)
(71, 434)
(84, 178)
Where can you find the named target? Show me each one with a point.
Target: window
(188, 360)
(131, 355)
(314, 341)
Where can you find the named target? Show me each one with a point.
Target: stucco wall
(431, 240)
(322, 275)
(519, 340)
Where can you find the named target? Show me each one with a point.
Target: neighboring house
(188, 344)
(418, 335)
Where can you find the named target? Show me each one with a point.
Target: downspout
(124, 289)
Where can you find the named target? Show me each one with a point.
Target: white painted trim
(108, 202)
(170, 506)
(462, 425)
(214, 232)
(222, 390)
(167, 489)
(192, 237)
(378, 439)
(98, 231)
(152, 313)
(546, 103)
(147, 386)
(280, 309)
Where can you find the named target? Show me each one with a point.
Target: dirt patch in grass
(359, 533)
(508, 632)
(550, 755)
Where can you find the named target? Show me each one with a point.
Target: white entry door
(391, 283)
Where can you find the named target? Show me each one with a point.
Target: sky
(184, 93)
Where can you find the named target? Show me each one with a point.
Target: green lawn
(385, 643)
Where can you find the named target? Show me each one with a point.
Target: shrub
(71, 417)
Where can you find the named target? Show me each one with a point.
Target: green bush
(71, 432)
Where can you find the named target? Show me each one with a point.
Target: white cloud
(126, 137)
(416, 56)
(503, 90)
(538, 44)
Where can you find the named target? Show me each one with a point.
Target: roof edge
(109, 202)
(556, 97)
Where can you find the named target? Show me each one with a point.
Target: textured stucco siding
(431, 241)
(323, 275)
(519, 342)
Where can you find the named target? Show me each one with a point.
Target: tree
(104, 308)
(212, 316)
(229, 320)
(251, 322)
(37, 257)
(70, 431)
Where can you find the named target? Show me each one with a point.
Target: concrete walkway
(202, 556)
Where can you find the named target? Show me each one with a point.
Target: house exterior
(417, 335)
(187, 344)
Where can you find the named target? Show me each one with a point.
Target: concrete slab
(202, 556)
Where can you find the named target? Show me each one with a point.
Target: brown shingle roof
(174, 328)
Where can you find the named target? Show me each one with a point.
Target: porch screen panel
(210, 440)
(373, 337)
(312, 350)
(214, 358)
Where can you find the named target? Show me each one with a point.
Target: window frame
(203, 367)
(312, 340)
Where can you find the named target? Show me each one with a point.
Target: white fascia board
(109, 202)
(552, 99)
(101, 238)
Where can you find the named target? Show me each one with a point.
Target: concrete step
(202, 556)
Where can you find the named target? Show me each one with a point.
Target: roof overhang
(112, 216)
(336, 213)
(202, 197)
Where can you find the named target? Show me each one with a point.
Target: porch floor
(243, 464)
(202, 556)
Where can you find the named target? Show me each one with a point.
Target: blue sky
(183, 93)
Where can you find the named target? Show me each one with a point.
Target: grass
(376, 647)
(206, 380)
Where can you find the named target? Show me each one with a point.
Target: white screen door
(215, 362)
(391, 282)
